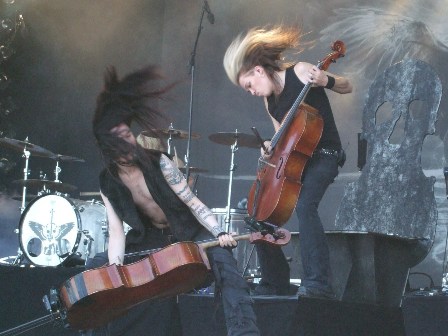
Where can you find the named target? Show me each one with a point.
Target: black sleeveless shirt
(183, 224)
(316, 97)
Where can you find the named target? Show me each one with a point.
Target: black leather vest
(184, 226)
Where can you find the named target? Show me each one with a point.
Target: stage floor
(421, 313)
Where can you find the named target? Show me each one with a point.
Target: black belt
(338, 154)
(327, 151)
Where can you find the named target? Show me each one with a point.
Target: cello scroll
(338, 48)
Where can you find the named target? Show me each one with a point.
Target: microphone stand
(191, 72)
(444, 264)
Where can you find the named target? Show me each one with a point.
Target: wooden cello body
(278, 184)
(94, 297)
(274, 194)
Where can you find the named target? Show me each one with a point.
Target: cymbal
(193, 170)
(20, 145)
(46, 184)
(175, 133)
(228, 138)
(59, 157)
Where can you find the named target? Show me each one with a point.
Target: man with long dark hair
(146, 190)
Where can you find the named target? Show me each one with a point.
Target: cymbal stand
(26, 155)
(170, 138)
(233, 148)
(57, 171)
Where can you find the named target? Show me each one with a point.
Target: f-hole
(384, 115)
(278, 174)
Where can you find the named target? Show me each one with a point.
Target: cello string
(133, 254)
(27, 326)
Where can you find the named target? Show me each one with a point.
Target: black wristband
(330, 82)
(221, 234)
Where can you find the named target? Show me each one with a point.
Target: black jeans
(320, 172)
(233, 289)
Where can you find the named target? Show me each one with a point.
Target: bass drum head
(49, 230)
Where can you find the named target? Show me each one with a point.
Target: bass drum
(245, 253)
(53, 228)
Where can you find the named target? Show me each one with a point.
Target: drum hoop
(92, 202)
(25, 212)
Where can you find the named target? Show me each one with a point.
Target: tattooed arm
(179, 185)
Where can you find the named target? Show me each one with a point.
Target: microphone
(210, 16)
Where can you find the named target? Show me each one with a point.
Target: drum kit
(54, 227)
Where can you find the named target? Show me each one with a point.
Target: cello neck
(203, 244)
(280, 237)
(215, 242)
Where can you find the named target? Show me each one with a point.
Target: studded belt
(327, 151)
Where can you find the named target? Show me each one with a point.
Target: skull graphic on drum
(53, 228)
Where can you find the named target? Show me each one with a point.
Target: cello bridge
(262, 162)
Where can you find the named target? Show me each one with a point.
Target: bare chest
(135, 181)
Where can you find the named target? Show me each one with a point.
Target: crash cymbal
(228, 138)
(193, 170)
(175, 133)
(21, 145)
(59, 157)
(46, 184)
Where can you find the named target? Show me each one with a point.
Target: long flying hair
(124, 101)
(262, 46)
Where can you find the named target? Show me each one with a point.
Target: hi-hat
(46, 184)
(59, 157)
(171, 132)
(193, 170)
(21, 145)
(229, 138)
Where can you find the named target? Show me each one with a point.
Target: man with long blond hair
(254, 61)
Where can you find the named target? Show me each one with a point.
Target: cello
(95, 297)
(274, 194)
